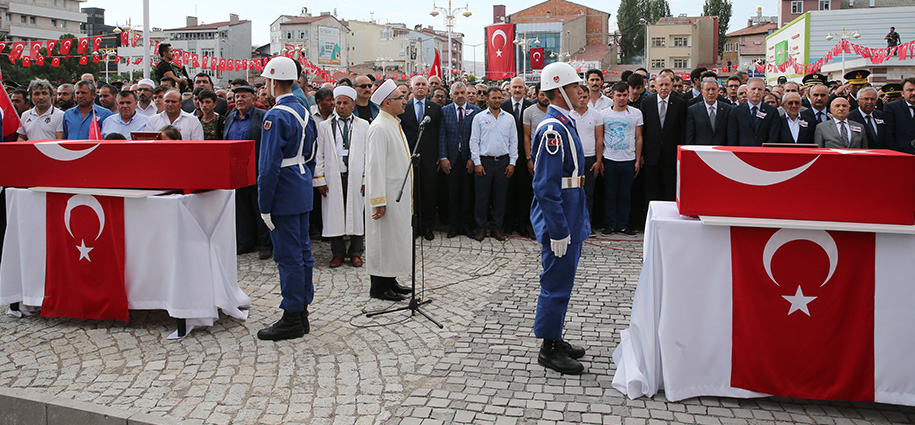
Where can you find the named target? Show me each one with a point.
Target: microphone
(425, 121)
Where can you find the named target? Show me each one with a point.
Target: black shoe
(573, 351)
(479, 236)
(522, 231)
(629, 232)
(469, 233)
(553, 356)
(265, 254)
(290, 326)
(608, 231)
(307, 326)
(387, 295)
(240, 251)
(427, 234)
(498, 235)
(399, 289)
(452, 233)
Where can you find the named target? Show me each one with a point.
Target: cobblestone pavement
(390, 369)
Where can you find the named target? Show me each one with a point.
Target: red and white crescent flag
(65, 45)
(230, 64)
(27, 61)
(55, 61)
(125, 38)
(96, 43)
(138, 61)
(205, 62)
(500, 51)
(51, 45)
(803, 313)
(35, 49)
(136, 37)
(214, 64)
(82, 46)
(95, 132)
(195, 61)
(16, 52)
(85, 257)
(8, 113)
(3, 45)
(39, 61)
(436, 69)
(537, 59)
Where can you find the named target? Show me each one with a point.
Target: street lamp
(107, 55)
(845, 36)
(383, 63)
(524, 44)
(449, 23)
(475, 57)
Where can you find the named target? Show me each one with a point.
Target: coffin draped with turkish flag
(845, 185)
(85, 234)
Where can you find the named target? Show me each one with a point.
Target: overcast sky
(172, 13)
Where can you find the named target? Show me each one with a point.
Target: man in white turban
(387, 222)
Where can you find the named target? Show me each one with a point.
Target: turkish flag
(16, 52)
(95, 133)
(537, 59)
(138, 61)
(51, 45)
(205, 62)
(214, 64)
(39, 61)
(136, 38)
(222, 64)
(500, 51)
(35, 49)
(230, 64)
(3, 45)
(84, 276)
(195, 61)
(803, 313)
(55, 61)
(27, 61)
(125, 38)
(436, 70)
(65, 45)
(96, 43)
(84, 60)
(82, 46)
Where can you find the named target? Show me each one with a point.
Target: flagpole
(148, 41)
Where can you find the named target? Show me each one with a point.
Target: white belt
(299, 159)
(573, 182)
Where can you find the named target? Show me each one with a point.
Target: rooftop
(762, 28)
(210, 26)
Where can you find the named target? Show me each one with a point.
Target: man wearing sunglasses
(364, 109)
(145, 105)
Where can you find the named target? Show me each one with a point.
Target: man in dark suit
(245, 123)
(867, 114)
(664, 117)
(754, 122)
(518, 204)
(695, 78)
(796, 126)
(425, 175)
(203, 80)
(700, 130)
(454, 149)
(900, 126)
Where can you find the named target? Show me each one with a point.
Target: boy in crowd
(622, 157)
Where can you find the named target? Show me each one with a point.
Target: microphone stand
(415, 302)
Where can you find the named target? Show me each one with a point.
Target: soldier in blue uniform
(285, 198)
(558, 214)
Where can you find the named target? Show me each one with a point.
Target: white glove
(268, 221)
(559, 247)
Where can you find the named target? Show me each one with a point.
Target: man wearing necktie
(454, 148)
(873, 120)
(426, 172)
(754, 122)
(340, 175)
(518, 205)
(900, 124)
(664, 118)
(840, 132)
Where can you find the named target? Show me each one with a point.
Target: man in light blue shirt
(127, 119)
(494, 151)
(78, 119)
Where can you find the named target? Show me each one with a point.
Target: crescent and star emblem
(57, 152)
(495, 34)
(780, 238)
(537, 54)
(91, 202)
(729, 165)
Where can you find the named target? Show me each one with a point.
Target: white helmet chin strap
(562, 90)
(270, 87)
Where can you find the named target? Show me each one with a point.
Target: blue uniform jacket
(451, 135)
(556, 212)
(285, 190)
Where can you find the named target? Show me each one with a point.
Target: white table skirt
(679, 338)
(179, 254)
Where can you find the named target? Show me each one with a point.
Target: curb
(21, 406)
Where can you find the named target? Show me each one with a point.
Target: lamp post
(524, 44)
(383, 63)
(449, 23)
(845, 36)
(474, 46)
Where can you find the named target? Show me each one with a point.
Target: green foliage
(471, 79)
(631, 18)
(68, 71)
(721, 9)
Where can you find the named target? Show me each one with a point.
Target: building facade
(747, 46)
(27, 20)
(681, 43)
(790, 10)
(322, 39)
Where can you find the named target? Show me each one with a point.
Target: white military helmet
(558, 74)
(280, 68)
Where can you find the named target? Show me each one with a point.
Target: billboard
(329, 48)
(791, 41)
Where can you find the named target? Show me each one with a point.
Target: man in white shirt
(188, 124)
(127, 119)
(494, 150)
(596, 99)
(145, 105)
(621, 153)
(590, 127)
(43, 121)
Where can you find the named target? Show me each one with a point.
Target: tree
(68, 71)
(721, 9)
(631, 18)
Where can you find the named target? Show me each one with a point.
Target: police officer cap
(782, 80)
(248, 89)
(383, 91)
(345, 91)
(857, 77)
(10, 85)
(814, 79)
(892, 89)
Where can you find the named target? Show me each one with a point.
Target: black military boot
(307, 327)
(288, 327)
(553, 356)
(573, 351)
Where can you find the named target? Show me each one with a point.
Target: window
(657, 41)
(824, 4)
(289, 35)
(657, 63)
(728, 47)
(22, 18)
(797, 7)
(681, 41)
(54, 23)
(303, 34)
(32, 20)
(207, 52)
(681, 63)
(63, 24)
